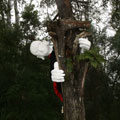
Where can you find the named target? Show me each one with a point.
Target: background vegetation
(26, 91)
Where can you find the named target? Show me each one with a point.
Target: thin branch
(84, 76)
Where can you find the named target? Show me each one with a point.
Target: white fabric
(41, 48)
(57, 75)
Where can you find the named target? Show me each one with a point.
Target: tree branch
(71, 24)
(83, 78)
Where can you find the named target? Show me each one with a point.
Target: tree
(8, 12)
(16, 12)
(26, 90)
(64, 32)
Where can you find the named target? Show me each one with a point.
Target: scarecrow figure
(41, 49)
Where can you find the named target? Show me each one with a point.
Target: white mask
(41, 48)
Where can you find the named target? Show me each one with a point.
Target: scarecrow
(41, 49)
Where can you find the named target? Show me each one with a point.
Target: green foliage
(93, 56)
(116, 42)
(115, 20)
(30, 23)
(69, 65)
(30, 16)
(98, 95)
(26, 91)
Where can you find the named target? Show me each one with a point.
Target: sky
(104, 16)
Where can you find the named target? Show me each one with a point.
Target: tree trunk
(2, 11)
(9, 12)
(64, 8)
(16, 12)
(64, 34)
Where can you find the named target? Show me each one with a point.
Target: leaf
(92, 56)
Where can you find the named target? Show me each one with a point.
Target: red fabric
(57, 92)
(49, 56)
(55, 87)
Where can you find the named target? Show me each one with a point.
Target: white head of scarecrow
(41, 48)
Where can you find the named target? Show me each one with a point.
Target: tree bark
(16, 13)
(64, 33)
(64, 8)
(2, 11)
(9, 12)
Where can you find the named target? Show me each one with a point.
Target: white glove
(84, 44)
(57, 75)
